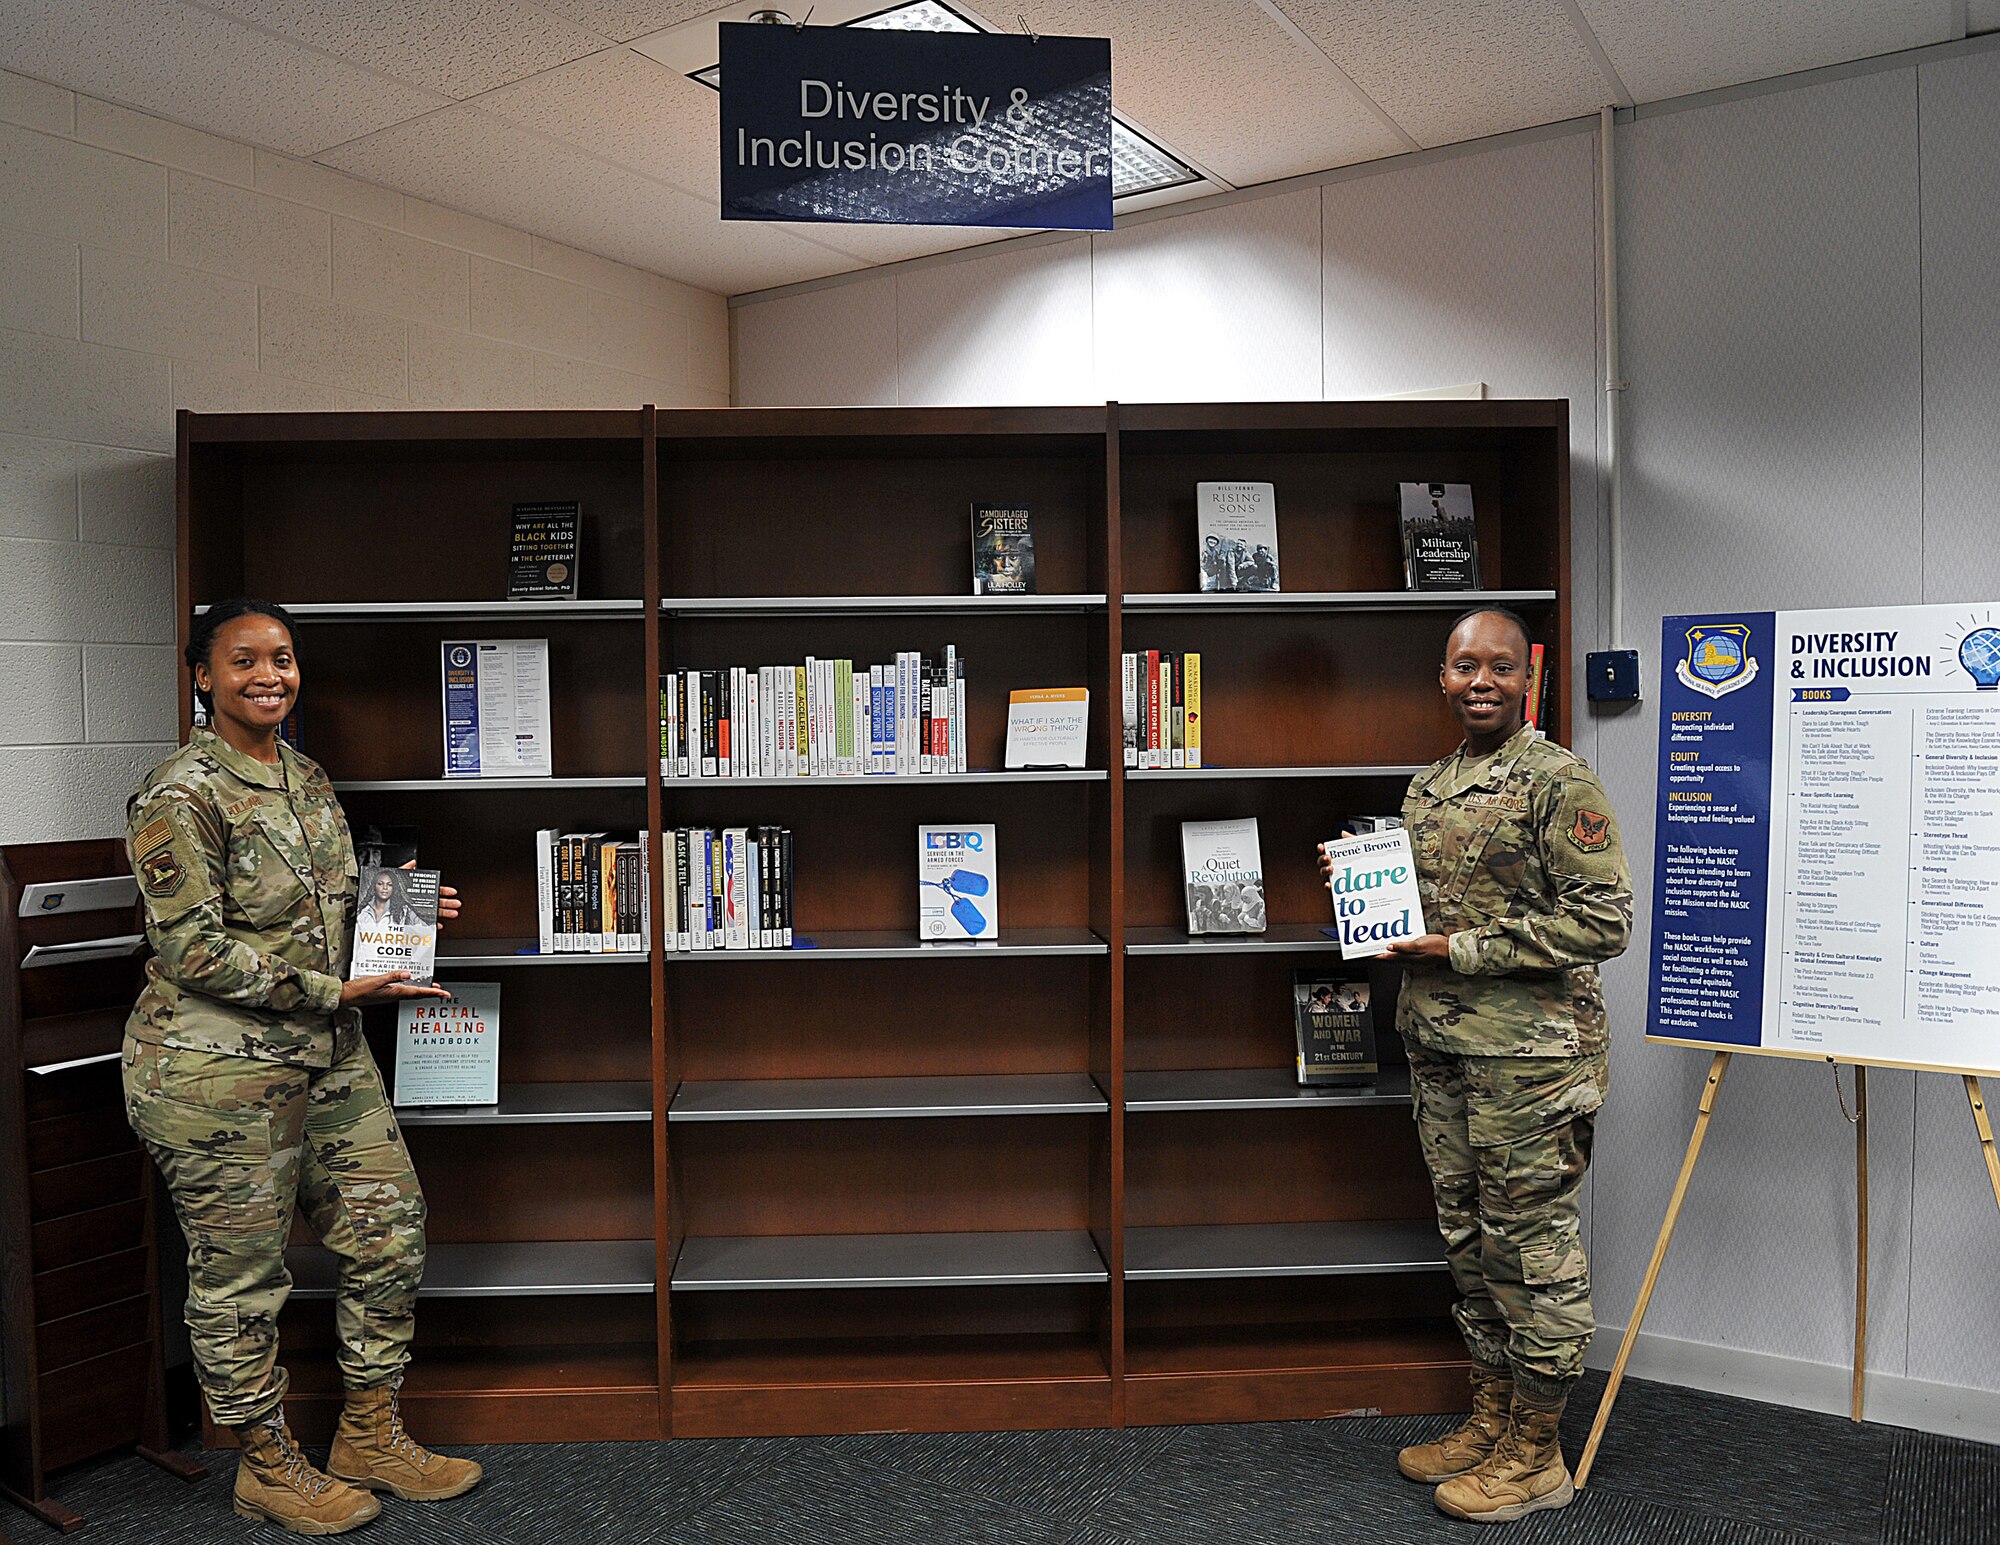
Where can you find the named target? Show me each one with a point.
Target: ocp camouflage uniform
(249, 1085)
(1519, 863)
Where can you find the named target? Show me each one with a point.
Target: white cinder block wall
(146, 267)
(1811, 310)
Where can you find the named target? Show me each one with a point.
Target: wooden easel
(1702, 1113)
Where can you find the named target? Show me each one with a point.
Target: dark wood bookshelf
(838, 1164)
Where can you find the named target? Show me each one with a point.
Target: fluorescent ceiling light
(1139, 164)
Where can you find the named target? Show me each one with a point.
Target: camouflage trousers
(242, 1142)
(1507, 1140)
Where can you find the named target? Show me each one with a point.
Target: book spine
(924, 715)
(732, 889)
(810, 676)
(572, 926)
(767, 696)
(682, 737)
(1191, 717)
(875, 719)
(607, 897)
(666, 729)
(643, 940)
(545, 891)
(950, 718)
(710, 734)
(725, 728)
(1537, 662)
(857, 692)
(767, 886)
(560, 855)
(1129, 680)
(677, 913)
(697, 895)
(624, 892)
(1176, 718)
(753, 724)
(1150, 757)
(787, 883)
(717, 916)
(753, 889)
(958, 762)
(670, 895)
(903, 765)
(800, 758)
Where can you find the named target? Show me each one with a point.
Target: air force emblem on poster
(1718, 659)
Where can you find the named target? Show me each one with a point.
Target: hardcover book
(1374, 887)
(448, 1049)
(1440, 544)
(1224, 872)
(385, 847)
(1003, 550)
(958, 883)
(1237, 535)
(395, 927)
(541, 558)
(1336, 1031)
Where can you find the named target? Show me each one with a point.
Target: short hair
(1520, 622)
(201, 637)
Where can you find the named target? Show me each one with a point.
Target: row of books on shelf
(593, 893)
(728, 888)
(1162, 691)
(823, 718)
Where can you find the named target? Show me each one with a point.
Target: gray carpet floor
(1678, 1468)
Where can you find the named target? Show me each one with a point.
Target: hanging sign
(859, 126)
(1826, 878)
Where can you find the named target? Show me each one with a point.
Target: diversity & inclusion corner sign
(855, 125)
(1826, 877)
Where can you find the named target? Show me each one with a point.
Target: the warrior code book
(448, 1049)
(1225, 876)
(1237, 532)
(1003, 550)
(541, 559)
(958, 883)
(1336, 1031)
(1374, 886)
(395, 928)
(1440, 546)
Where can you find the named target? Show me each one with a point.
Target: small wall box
(1612, 675)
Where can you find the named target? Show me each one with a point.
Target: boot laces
(400, 1442)
(298, 1470)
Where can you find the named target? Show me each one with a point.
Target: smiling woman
(248, 1081)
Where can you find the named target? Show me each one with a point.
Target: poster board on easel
(1826, 879)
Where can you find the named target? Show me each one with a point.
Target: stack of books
(1162, 708)
(728, 888)
(592, 893)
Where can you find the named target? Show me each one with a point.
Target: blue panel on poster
(860, 126)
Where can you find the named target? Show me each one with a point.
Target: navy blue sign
(1711, 854)
(855, 125)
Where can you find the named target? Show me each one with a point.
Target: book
(395, 924)
(1373, 883)
(1224, 872)
(541, 555)
(1336, 1031)
(385, 847)
(496, 708)
(448, 1049)
(1237, 535)
(958, 883)
(1531, 709)
(1191, 714)
(1003, 550)
(1129, 681)
(1440, 541)
(1047, 726)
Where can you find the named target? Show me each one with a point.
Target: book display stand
(1067, 1179)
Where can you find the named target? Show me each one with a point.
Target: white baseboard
(1896, 1401)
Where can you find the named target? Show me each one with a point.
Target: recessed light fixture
(1139, 163)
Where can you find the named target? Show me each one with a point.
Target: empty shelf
(820, 605)
(531, 1104)
(863, 1099)
(1332, 770)
(628, 610)
(887, 944)
(884, 780)
(1254, 1089)
(1294, 937)
(737, 1264)
(1329, 600)
(524, 1269)
(1281, 1250)
(441, 785)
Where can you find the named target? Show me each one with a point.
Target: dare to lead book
(448, 1049)
(541, 559)
(1224, 871)
(1374, 886)
(1440, 544)
(1237, 533)
(1336, 1031)
(1003, 550)
(395, 928)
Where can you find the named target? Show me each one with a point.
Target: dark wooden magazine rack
(79, 1297)
(1092, 1192)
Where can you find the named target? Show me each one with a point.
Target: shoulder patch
(155, 834)
(1590, 832)
(161, 873)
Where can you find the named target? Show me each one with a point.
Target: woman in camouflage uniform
(1525, 885)
(247, 1079)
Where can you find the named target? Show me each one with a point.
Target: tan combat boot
(1525, 1474)
(275, 1481)
(1457, 1452)
(371, 1449)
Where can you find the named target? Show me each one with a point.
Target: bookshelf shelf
(877, 1099)
(514, 1269)
(1217, 1089)
(847, 1261)
(1281, 1250)
(537, 1104)
(769, 1256)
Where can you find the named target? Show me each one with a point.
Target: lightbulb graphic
(1979, 653)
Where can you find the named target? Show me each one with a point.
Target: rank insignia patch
(1590, 832)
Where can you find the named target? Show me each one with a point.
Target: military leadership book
(395, 928)
(448, 1049)
(1336, 1031)
(1224, 870)
(541, 559)
(1003, 550)
(1440, 542)
(1374, 887)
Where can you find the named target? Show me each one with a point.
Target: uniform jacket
(248, 876)
(1519, 863)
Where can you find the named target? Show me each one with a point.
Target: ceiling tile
(488, 167)
(1448, 70)
(1697, 45)
(458, 47)
(1224, 83)
(624, 20)
(196, 68)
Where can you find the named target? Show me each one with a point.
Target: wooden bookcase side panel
(664, 1063)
